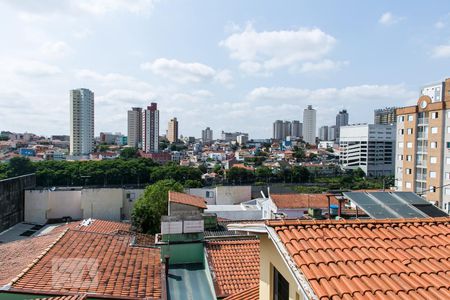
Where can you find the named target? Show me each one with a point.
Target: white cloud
(224, 77)
(389, 18)
(350, 93)
(112, 80)
(57, 49)
(43, 10)
(321, 66)
(441, 51)
(269, 50)
(99, 7)
(183, 72)
(439, 24)
(29, 68)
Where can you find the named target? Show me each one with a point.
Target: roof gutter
(302, 282)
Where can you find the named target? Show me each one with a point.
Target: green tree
(300, 174)
(359, 173)
(263, 174)
(152, 205)
(20, 166)
(191, 184)
(240, 175)
(103, 148)
(128, 153)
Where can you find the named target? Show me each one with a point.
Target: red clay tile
(374, 259)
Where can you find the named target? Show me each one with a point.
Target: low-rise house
(181, 204)
(293, 206)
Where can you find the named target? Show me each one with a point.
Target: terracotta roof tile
(113, 267)
(234, 265)
(371, 259)
(248, 294)
(302, 200)
(187, 199)
(17, 256)
(99, 226)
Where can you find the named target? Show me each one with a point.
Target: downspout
(302, 283)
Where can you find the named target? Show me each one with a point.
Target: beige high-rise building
(135, 127)
(422, 163)
(150, 129)
(81, 122)
(172, 130)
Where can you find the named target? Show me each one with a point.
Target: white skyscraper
(81, 122)
(207, 135)
(135, 127)
(150, 128)
(309, 125)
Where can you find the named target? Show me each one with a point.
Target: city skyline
(206, 72)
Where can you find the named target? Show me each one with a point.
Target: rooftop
(363, 259)
(302, 200)
(187, 199)
(234, 265)
(103, 264)
(248, 294)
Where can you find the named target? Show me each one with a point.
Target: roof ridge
(234, 241)
(38, 258)
(302, 222)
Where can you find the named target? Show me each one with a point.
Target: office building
(110, 138)
(287, 129)
(369, 147)
(278, 130)
(150, 128)
(323, 133)
(296, 128)
(385, 116)
(231, 136)
(309, 125)
(242, 139)
(423, 145)
(135, 127)
(172, 130)
(81, 122)
(207, 135)
(332, 133)
(341, 120)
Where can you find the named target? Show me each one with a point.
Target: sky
(230, 65)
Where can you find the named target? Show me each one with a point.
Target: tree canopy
(152, 205)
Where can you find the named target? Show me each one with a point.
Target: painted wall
(178, 209)
(223, 195)
(113, 204)
(270, 258)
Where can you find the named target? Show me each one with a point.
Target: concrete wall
(236, 214)
(270, 258)
(12, 193)
(178, 209)
(223, 195)
(63, 204)
(102, 203)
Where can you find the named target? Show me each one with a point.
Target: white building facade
(370, 147)
(309, 125)
(81, 122)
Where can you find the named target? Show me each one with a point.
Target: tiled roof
(248, 294)
(71, 297)
(234, 265)
(187, 199)
(111, 265)
(368, 259)
(302, 200)
(16, 256)
(99, 226)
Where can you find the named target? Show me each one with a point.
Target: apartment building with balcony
(422, 163)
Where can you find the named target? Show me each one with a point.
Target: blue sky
(230, 65)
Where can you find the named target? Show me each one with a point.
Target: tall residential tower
(150, 129)
(81, 122)
(135, 127)
(309, 125)
(172, 130)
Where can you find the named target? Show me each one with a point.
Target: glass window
(434, 115)
(433, 160)
(432, 174)
(447, 160)
(447, 191)
(448, 145)
(410, 118)
(280, 286)
(434, 130)
(408, 184)
(410, 130)
(408, 157)
(433, 145)
(409, 145)
(400, 144)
